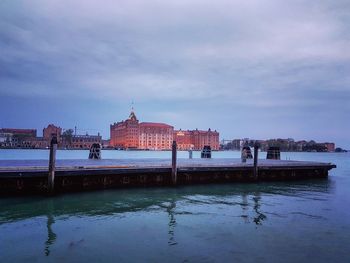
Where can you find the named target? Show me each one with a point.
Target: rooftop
(155, 124)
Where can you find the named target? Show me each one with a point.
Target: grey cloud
(239, 55)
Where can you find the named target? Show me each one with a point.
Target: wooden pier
(31, 177)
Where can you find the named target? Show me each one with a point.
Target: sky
(255, 69)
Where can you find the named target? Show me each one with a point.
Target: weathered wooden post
(173, 164)
(256, 147)
(52, 165)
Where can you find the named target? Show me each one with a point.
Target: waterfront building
(130, 134)
(184, 140)
(19, 132)
(14, 138)
(300, 145)
(125, 134)
(197, 139)
(50, 131)
(6, 139)
(105, 143)
(155, 136)
(85, 141)
(330, 146)
(203, 138)
(34, 143)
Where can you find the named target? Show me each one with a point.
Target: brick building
(130, 134)
(19, 132)
(17, 138)
(197, 139)
(34, 143)
(6, 140)
(125, 134)
(330, 146)
(50, 131)
(184, 139)
(85, 141)
(158, 136)
(155, 136)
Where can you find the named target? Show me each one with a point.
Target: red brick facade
(330, 146)
(184, 140)
(125, 134)
(51, 130)
(130, 134)
(85, 141)
(197, 139)
(155, 136)
(158, 136)
(20, 132)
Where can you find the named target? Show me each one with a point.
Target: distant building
(50, 131)
(203, 138)
(130, 134)
(85, 141)
(19, 132)
(16, 138)
(300, 145)
(197, 139)
(34, 143)
(6, 139)
(155, 136)
(330, 146)
(184, 140)
(105, 143)
(125, 134)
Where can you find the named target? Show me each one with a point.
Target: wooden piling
(173, 163)
(52, 166)
(256, 147)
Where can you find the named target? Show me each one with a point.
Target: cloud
(253, 55)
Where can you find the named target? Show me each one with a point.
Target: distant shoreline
(141, 150)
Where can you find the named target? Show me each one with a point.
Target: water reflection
(112, 202)
(250, 199)
(51, 236)
(259, 215)
(172, 223)
(244, 206)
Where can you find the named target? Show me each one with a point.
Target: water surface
(306, 221)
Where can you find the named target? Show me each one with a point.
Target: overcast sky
(254, 68)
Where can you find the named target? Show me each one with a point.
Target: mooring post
(173, 164)
(256, 147)
(52, 165)
(244, 155)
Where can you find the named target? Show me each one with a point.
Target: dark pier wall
(36, 182)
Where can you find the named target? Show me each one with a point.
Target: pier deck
(17, 177)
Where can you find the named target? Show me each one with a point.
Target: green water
(306, 221)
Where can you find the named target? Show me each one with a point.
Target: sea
(301, 221)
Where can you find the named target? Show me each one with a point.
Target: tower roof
(132, 115)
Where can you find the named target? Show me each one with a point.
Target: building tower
(125, 134)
